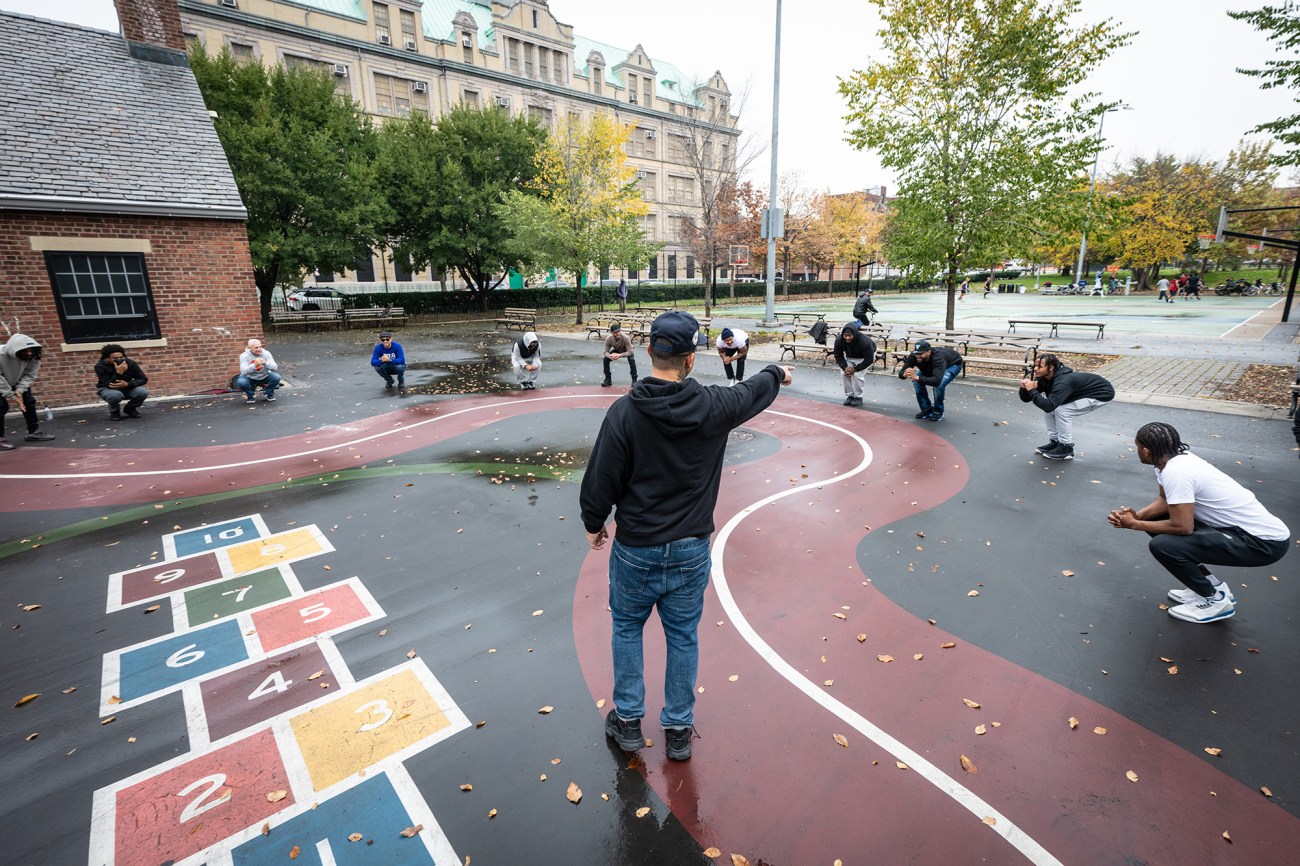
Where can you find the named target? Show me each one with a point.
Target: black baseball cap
(923, 346)
(674, 332)
(383, 334)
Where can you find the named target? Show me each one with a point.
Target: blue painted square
(214, 536)
(191, 654)
(372, 809)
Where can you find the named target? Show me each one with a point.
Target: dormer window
(534, 19)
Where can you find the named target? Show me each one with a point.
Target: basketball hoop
(740, 255)
(1205, 241)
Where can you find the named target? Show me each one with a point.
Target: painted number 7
(238, 593)
(379, 708)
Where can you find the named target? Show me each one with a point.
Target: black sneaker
(606, 384)
(934, 416)
(1061, 452)
(678, 743)
(627, 734)
(848, 401)
(921, 416)
(4, 444)
(115, 415)
(38, 436)
(1043, 449)
(131, 412)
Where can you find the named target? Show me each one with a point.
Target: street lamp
(1083, 238)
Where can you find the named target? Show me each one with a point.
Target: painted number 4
(274, 684)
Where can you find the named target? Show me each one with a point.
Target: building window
(528, 59)
(681, 190)
(634, 274)
(469, 97)
(690, 267)
(646, 99)
(408, 28)
(648, 139)
(242, 52)
(399, 96)
(192, 38)
(646, 182)
(544, 116)
(677, 148)
(366, 270)
(597, 79)
(649, 225)
(534, 19)
(654, 268)
(672, 266)
(631, 89)
(102, 296)
(383, 31)
(544, 64)
(467, 46)
(402, 271)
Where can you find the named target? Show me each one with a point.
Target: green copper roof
(342, 8)
(670, 83)
(439, 14)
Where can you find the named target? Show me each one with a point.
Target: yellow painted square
(363, 727)
(281, 547)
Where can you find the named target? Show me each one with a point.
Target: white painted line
(1251, 319)
(338, 446)
(1023, 843)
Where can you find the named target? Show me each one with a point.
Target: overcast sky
(1178, 73)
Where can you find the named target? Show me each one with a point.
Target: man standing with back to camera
(658, 460)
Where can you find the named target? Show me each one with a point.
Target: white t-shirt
(739, 340)
(1219, 501)
(1163, 285)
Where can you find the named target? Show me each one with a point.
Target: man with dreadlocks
(1199, 516)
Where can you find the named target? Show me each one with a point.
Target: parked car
(318, 299)
(749, 280)
(557, 284)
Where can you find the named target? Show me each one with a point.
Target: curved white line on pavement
(1026, 845)
(324, 448)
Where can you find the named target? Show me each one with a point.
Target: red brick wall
(201, 275)
(154, 22)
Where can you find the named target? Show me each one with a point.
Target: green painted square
(229, 597)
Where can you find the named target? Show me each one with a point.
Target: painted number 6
(186, 655)
(378, 707)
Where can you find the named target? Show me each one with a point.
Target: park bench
(640, 329)
(523, 318)
(798, 316)
(598, 326)
(306, 318)
(1010, 353)
(381, 316)
(1048, 289)
(1054, 324)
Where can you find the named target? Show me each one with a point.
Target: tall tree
(969, 107)
(588, 210)
(445, 184)
(1281, 23)
(303, 156)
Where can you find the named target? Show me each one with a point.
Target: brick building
(120, 220)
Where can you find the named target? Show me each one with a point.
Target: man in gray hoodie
(20, 359)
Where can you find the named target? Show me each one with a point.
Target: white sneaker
(1205, 610)
(1187, 596)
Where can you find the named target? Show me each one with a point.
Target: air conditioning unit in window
(631, 97)
(385, 39)
(651, 135)
(232, 4)
(503, 101)
(410, 45)
(640, 175)
(340, 70)
(466, 42)
(419, 87)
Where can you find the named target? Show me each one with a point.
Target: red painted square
(184, 810)
(313, 614)
(164, 577)
(265, 689)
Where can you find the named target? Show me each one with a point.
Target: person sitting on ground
(862, 307)
(617, 346)
(20, 360)
(119, 378)
(855, 352)
(1200, 517)
(389, 360)
(733, 347)
(934, 368)
(526, 359)
(1064, 395)
(257, 369)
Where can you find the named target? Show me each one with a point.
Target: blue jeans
(388, 370)
(673, 578)
(134, 396)
(247, 385)
(923, 396)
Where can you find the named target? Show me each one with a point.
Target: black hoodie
(862, 351)
(658, 456)
(1066, 387)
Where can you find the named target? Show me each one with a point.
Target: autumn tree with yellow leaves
(587, 211)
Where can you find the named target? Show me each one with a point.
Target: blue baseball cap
(674, 332)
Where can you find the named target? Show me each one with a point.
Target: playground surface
(296, 630)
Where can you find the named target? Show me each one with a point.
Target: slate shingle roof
(85, 126)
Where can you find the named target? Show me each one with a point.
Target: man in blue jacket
(389, 360)
(658, 460)
(1064, 395)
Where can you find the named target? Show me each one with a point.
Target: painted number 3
(379, 708)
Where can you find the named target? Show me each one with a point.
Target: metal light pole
(1083, 238)
(770, 314)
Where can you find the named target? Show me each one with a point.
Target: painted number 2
(203, 802)
(379, 708)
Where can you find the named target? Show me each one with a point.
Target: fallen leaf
(31, 737)
(828, 683)
(114, 699)
(467, 787)
(948, 645)
(884, 658)
(1074, 723)
(479, 724)
(739, 860)
(733, 678)
(643, 811)
(546, 710)
(542, 777)
(414, 831)
(1266, 792)
(573, 793)
(1067, 573)
(712, 853)
(916, 657)
(31, 607)
(900, 765)
(410, 654)
(968, 765)
(266, 828)
(383, 631)
(839, 616)
(537, 613)
(69, 690)
(152, 608)
(355, 837)
(1132, 776)
(1173, 669)
(862, 638)
(27, 699)
(841, 739)
(1166, 661)
(973, 593)
(1210, 750)
(109, 720)
(972, 704)
(990, 820)
(294, 852)
(316, 675)
(1099, 731)
(492, 814)
(605, 797)
(277, 796)
(1226, 837)
(980, 730)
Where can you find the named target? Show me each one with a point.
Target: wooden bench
(1054, 324)
(523, 318)
(1048, 290)
(975, 348)
(798, 340)
(374, 316)
(797, 316)
(639, 331)
(598, 326)
(306, 318)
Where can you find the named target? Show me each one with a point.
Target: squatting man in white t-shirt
(1200, 516)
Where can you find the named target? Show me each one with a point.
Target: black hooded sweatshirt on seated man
(658, 457)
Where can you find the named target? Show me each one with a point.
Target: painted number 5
(379, 708)
(314, 612)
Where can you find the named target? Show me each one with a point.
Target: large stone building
(120, 220)
(399, 56)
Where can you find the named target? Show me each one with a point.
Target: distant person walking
(1163, 286)
(1064, 395)
(1200, 517)
(657, 464)
(963, 289)
(621, 294)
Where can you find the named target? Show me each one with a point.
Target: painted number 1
(225, 534)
